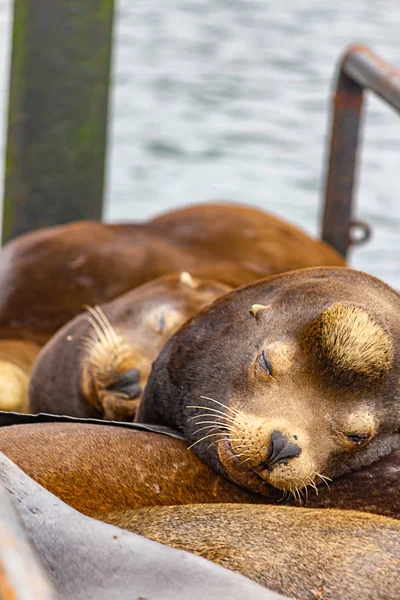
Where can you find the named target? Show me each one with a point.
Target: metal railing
(359, 70)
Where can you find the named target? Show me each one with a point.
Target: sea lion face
(119, 356)
(289, 381)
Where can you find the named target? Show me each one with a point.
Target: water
(228, 99)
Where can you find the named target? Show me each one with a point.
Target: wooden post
(57, 118)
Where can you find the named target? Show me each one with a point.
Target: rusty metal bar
(57, 113)
(22, 576)
(359, 70)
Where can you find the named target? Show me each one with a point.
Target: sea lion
(107, 352)
(90, 560)
(100, 469)
(302, 553)
(46, 276)
(16, 363)
(285, 382)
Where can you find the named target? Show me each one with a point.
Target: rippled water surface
(228, 99)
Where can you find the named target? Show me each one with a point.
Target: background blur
(228, 99)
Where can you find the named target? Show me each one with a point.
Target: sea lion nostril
(128, 383)
(280, 450)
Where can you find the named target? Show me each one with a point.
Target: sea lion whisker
(236, 456)
(101, 330)
(87, 342)
(235, 412)
(204, 438)
(298, 496)
(105, 325)
(220, 425)
(306, 491)
(212, 444)
(86, 345)
(284, 496)
(227, 417)
(213, 426)
(97, 329)
(240, 446)
(324, 479)
(312, 483)
(227, 425)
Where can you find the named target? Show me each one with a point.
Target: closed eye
(264, 363)
(357, 439)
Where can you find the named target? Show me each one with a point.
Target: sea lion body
(16, 363)
(302, 553)
(255, 238)
(289, 381)
(89, 560)
(100, 470)
(47, 276)
(107, 352)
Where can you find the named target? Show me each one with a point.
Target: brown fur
(302, 553)
(234, 378)
(48, 275)
(99, 347)
(98, 469)
(16, 363)
(353, 344)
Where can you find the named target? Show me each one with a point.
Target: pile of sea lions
(212, 380)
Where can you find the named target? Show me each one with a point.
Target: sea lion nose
(280, 450)
(128, 383)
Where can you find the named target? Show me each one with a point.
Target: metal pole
(57, 113)
(359, 70)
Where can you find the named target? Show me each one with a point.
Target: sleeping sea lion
(302, 553)
(287, 382)
(106, 354)
(47, 276)
(100, 470)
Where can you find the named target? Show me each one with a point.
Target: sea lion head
(286, 382)
(128, 334)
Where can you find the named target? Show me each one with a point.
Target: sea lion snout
(128, 384)
(279, 451)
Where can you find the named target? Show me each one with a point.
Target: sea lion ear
(256, 308)
(187, 280)
(349, 340)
